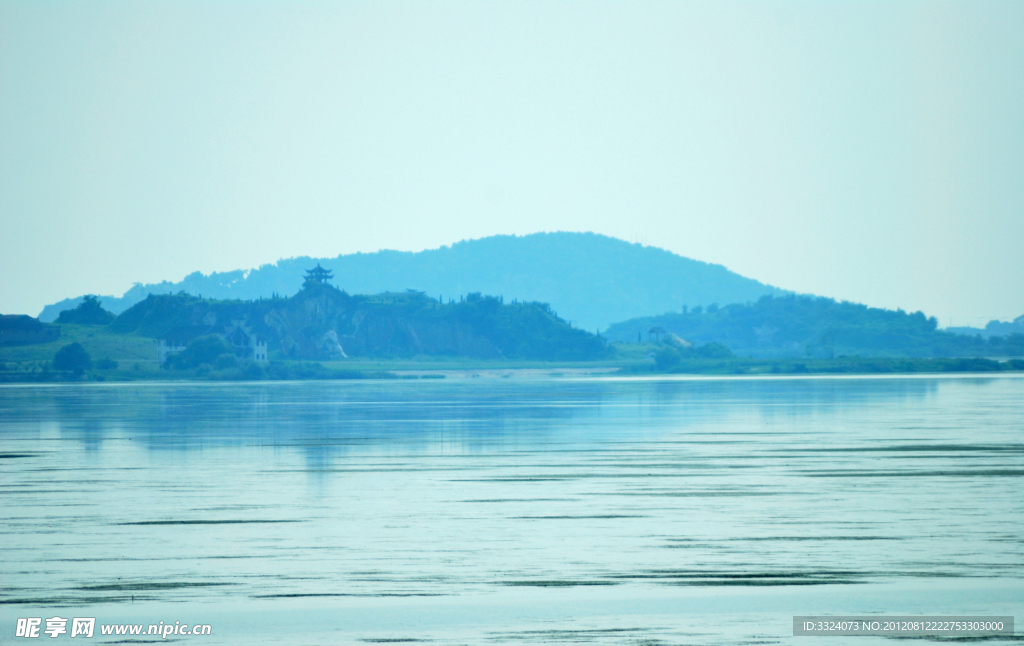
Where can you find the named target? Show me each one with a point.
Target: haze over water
(676, 511)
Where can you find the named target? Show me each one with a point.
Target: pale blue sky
(867, 151)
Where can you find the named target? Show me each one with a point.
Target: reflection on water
(514, 510)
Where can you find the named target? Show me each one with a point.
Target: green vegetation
(671, 356)
(808, 327)
(839, 366)
(100, 342)
(88, 312)
(206, 350)
(323, 323)
(377, 331)
(225, 371)
(18, 329)
(72, 358)
(325, 333)
(631, 359)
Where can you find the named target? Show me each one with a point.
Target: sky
(866, 151)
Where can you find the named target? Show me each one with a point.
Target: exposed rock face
(676, 342)
(320, 322)
(325, 346)
(373, 333)
(306, 328)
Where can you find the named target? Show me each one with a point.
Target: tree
(204, 350)
(73, 358)
(88, 312)
(712, 351)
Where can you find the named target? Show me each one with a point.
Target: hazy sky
(872, 152)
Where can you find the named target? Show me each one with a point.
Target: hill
(589, 279)
(18, 329)
(88, 312)
(994, 328)
(804, 326)
(322, 322)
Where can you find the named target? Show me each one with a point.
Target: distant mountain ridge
(587, 278)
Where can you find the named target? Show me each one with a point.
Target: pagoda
(317, 275)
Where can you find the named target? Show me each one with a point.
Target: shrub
(252, 371)
(667, 357)
(712, 351)
(225, 361)
(204, 350)
(72, 357)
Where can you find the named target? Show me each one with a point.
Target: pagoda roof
(317, 275)
(318, 271)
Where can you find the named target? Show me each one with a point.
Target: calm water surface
(687, 511)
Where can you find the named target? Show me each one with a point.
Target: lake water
(521, 511)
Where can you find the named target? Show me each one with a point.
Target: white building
(167, 347)
(247, 344)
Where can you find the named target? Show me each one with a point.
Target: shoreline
(920, 368)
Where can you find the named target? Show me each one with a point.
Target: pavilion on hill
(317, 275)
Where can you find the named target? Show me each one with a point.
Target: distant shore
(455, 368)
(130, 357)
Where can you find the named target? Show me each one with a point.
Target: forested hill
(994, 328)
(322, 322)
(798, 326)
(589, 279)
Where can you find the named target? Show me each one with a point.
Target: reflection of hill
(330, 418)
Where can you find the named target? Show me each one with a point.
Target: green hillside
(100, 342)
(322, 322)
(804, 326)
